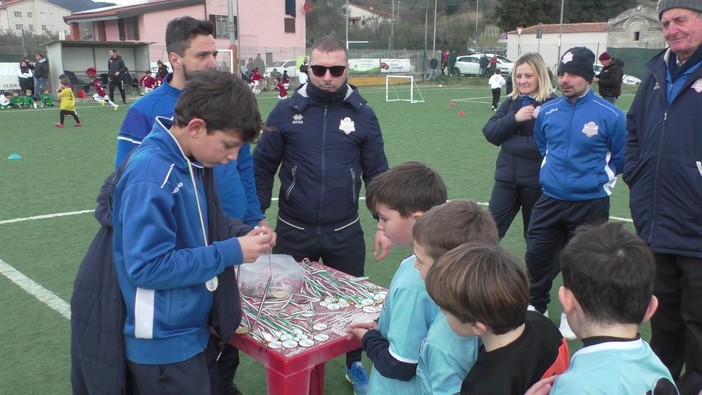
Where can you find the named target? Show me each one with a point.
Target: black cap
(578, 60)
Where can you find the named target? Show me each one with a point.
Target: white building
(360, 16)
(33, 16)
(592, 35)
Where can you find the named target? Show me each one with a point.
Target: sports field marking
(33, 288)
(45, 216)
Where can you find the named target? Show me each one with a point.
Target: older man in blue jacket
(664, 173)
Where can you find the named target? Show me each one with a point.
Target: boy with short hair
(147, 82)
(46, 98)
(28, 99)
(165, 258)
(444, 357)
(68, 103)
(399, 197)
(484, 291)
(100, 95)
(608, 277)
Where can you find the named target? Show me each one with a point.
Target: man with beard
(326, 141)
(191, 47)
(581, 137)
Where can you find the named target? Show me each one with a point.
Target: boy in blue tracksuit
(445, 357)
(166, 265)
(608, 276)
(581, 137)
(399, 197)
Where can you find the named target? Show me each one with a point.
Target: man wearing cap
(609, 79)
(581, 137)
(664, 173)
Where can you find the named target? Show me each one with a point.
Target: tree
(512, 13)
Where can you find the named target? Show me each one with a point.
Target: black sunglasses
(320, 71)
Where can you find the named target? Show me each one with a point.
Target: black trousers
(553, 223)
(119, 83)
(496, 93)
(506, 201)
(676, 327)
(344, 251)
(63, 113)
(194, 376)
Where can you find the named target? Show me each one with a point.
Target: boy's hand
(256, 242)
(542, 387)
(381, 246)
(264, 224)
(358, 330)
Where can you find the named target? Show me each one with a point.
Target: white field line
(49, 298)
(44, 295)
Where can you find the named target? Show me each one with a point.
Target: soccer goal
(402, 88)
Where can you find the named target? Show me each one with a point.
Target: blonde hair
(536, 62)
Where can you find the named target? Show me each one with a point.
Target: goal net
(402, 88)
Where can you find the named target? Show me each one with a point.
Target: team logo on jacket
(697, 85)
(347, 125)
(590, 129)
(297, 119)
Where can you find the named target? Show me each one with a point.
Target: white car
(470, 65)
(280, 66)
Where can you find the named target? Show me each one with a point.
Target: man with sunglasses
(326, 140)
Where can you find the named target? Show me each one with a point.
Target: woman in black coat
(510, 128)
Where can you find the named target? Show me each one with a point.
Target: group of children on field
(455, 318)
(15, 100)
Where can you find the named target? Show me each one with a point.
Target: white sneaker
(532, 308)
(565, 328)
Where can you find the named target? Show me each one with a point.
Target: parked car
(280, 66)
(470, 65)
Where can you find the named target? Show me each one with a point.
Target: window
(289, 25)
(221, 25)
(637, 36)
(18, 14)
(43, 28)
(31, 28)
(29, 14)
(128, 29)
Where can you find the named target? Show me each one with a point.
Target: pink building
(273, 29)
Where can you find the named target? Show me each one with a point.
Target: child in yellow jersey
(68, 103)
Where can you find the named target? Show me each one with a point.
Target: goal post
(402, 88)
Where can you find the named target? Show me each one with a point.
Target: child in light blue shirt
(399, 197)
(445, 357)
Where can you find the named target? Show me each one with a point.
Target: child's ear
(567, 299)
(651, 309)
(479, 328)
(415, 215)
(197, 127)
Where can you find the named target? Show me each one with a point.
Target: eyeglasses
(320, 71)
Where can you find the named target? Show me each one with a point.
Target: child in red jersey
(100, 95)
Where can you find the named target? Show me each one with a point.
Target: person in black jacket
(609, 79)
(115, 70)
(518, 163)
(41, 73)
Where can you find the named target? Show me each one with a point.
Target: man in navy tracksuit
(664, 173)
(581, 137)
(326, 141)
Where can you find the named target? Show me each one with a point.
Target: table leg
(297, 383)
(317, 380)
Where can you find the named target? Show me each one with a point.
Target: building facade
(35, 16)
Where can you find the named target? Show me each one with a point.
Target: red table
(300, 370)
